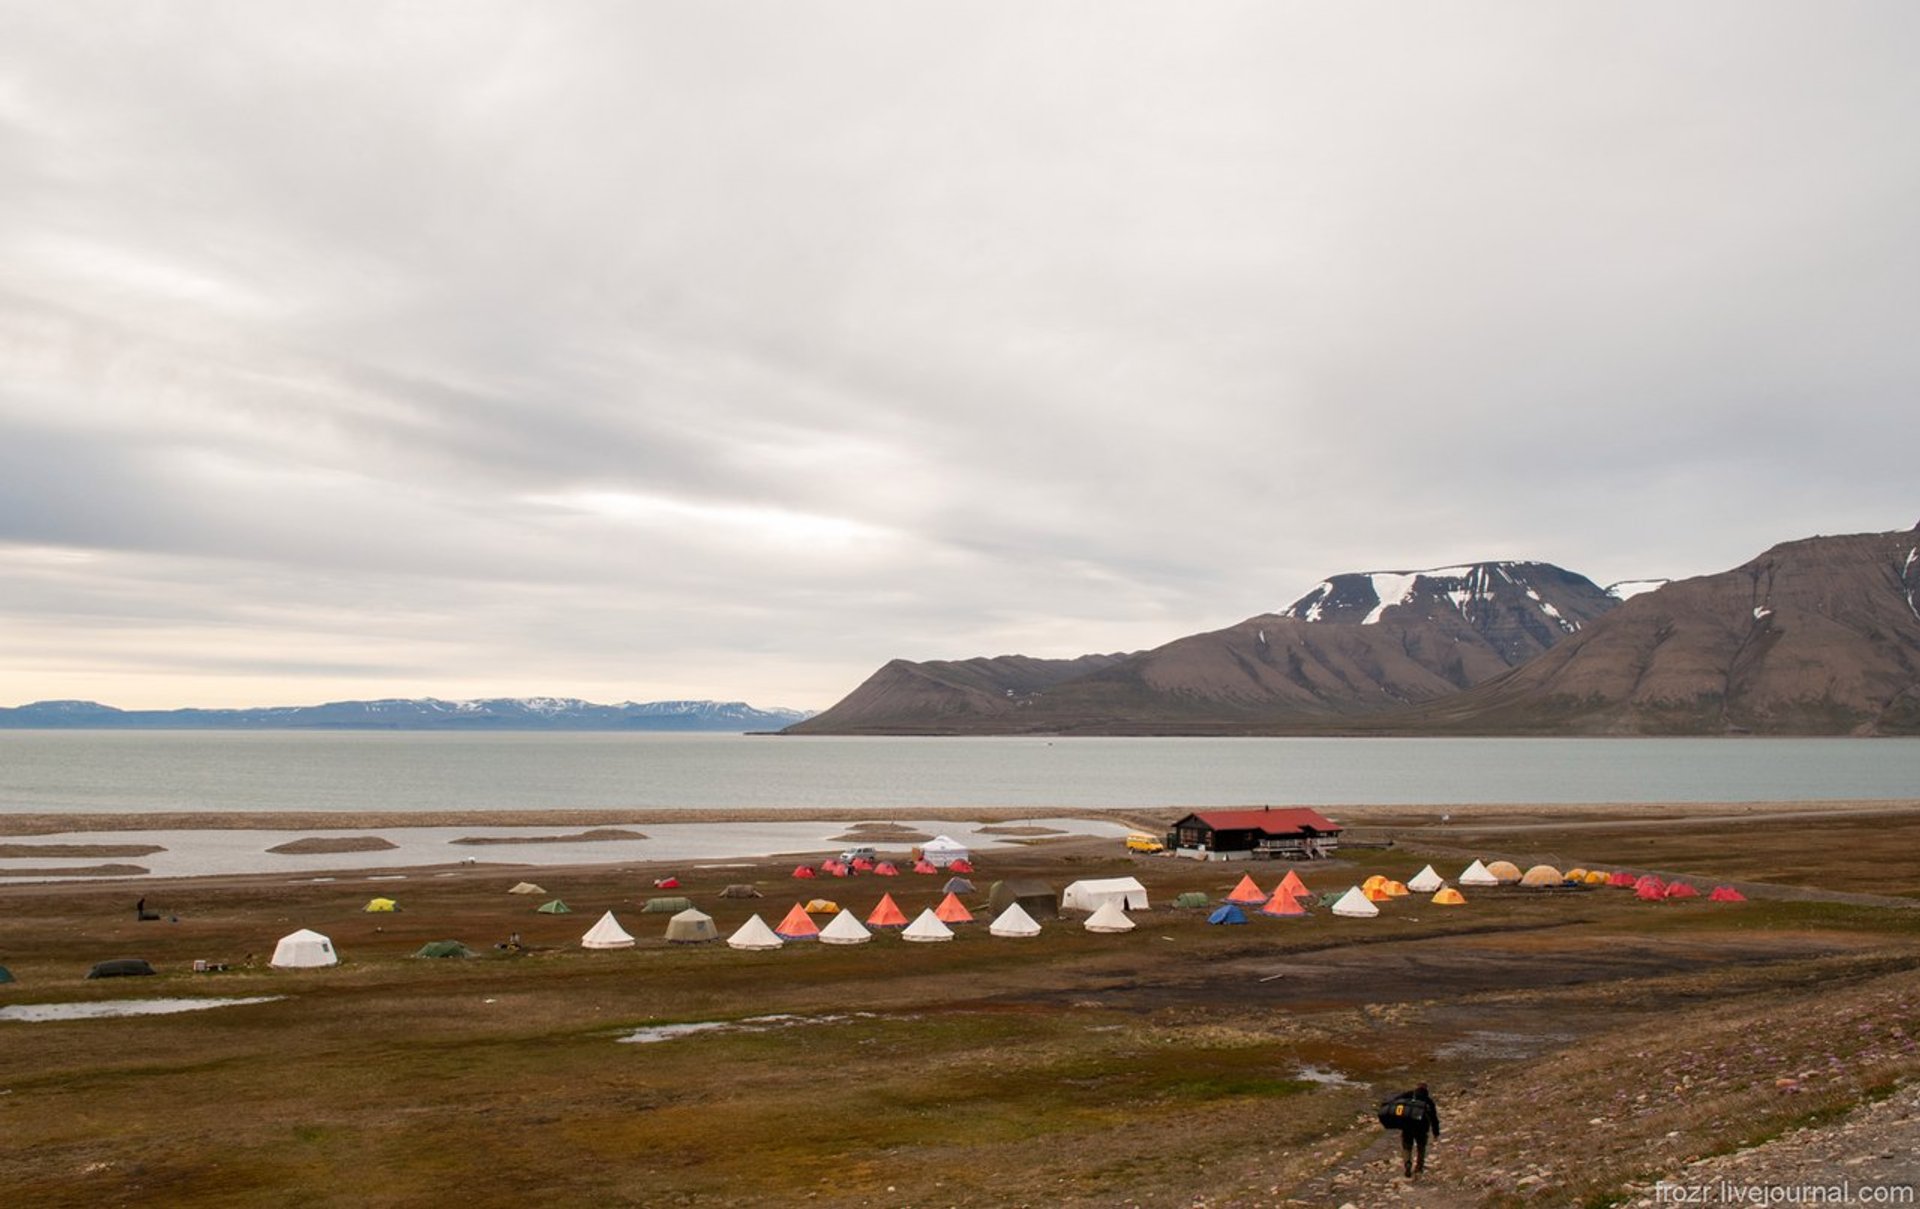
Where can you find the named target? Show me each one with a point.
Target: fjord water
(147, 772)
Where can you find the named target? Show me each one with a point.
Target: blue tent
(1228, 914)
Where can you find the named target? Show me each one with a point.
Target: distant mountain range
(1814, 637)
(427, 713)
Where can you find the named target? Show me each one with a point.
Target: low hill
(425, 713)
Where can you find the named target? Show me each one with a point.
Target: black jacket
(1431, 1123)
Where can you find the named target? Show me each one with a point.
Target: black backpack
(1403, 1112)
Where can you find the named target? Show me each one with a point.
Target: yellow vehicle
(1140, 841)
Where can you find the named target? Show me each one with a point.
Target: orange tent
(1284, 905)
(1292, 884)
(1448, 897)
(923, 867)
(952, 911)
(1375, 882)
(798, 925)
(1246, 894)
(1396, 889)
(887, 914)
(1378, 895)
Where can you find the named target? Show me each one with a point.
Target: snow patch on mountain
(1627, 589)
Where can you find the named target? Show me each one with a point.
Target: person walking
(1417, 1117)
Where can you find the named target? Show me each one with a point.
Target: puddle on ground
(33, 1012)
(752, 1024)
(1324, 1075)
(1494, 1043)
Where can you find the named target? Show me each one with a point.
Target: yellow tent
(1448, 897)
(1395, 889)
(1595, 877)
(821, 906)
(1375, 882)
(1504, 872)
(1576, 875)
(1542, 875)
(382, 904)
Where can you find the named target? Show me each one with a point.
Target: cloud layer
(634, 351)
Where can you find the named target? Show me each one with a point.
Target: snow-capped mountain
(1519, 608)
(426, 713)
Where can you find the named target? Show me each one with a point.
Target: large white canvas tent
(1476, 875)
(1090, 895)
(1425, 882)
(1109, 918)
(1355, 904)
(754, 934)
(927, 928)
(303, 950)
(607, 934)
(845, 930)
(943, 850)
(1014, 921)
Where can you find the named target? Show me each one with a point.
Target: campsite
(1172, 1062)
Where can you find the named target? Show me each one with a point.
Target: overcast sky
(643, 350)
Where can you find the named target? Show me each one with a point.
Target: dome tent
(303, 950)
(1726, 894)
(120, 967)
(1506, 873)
(444, 948)
(1228, 914)
(1448, 897)
(754, 936)
(665, 906)
(556, 907)
(1541, 876)
(959, 885)
(1192, 898)
(381, 904)
(691, 927)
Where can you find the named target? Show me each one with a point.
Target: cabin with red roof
(1291, 834)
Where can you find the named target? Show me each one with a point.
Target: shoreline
(29, 823)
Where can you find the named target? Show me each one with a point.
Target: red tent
(887, 915)
(1246, 894)
(952, 911)
(886, 869)
(1726, 894)
(1682, 890)
(1622, 879)
(666, 883)
(960, 866)
(1650, 893)
(803, 871)
(922, 866)
(1649, 882)
(798, 925)
(1284, 905)
(862, 865)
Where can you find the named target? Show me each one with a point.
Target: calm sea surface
(137, 772)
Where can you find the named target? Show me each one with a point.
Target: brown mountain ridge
(1820, 636)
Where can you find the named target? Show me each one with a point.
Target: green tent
(6, 975)
(556, 907)
(1192, 898)
(1327, 900)
(444, 948)
(666, 906)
